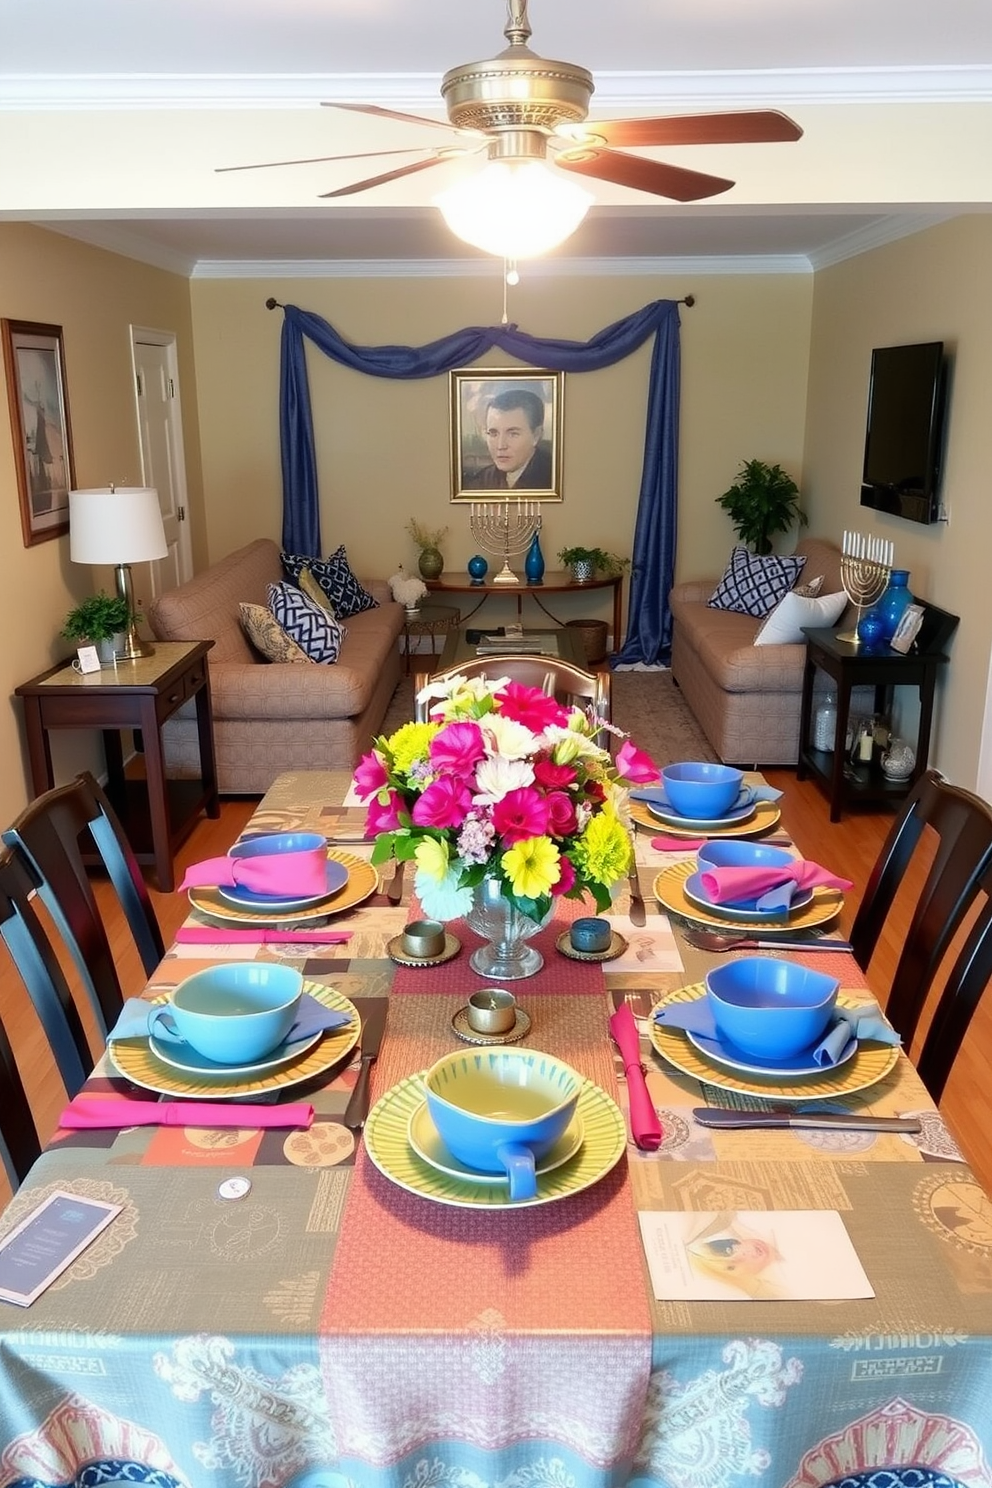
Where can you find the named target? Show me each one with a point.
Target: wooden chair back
(554, 676)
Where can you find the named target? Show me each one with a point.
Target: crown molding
(460, 268)
(876, 235)
(109, 91)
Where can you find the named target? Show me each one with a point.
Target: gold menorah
(505, 527)
(865, 567)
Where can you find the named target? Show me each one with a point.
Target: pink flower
(445, 803)
(530, 706)
(633, 764)
(552, 776)
(566, 878)
(384, 818)
(370, 775)
(561, 813)
(521, 814)
(459, 747)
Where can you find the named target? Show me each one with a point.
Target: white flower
(568, 745)
(443, 900)
(495, 776)
(507, 737)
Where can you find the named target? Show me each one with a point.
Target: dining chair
(958, 873)
(38, 967)
(554, 676)
(51, 835)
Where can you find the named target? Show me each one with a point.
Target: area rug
(646, 705)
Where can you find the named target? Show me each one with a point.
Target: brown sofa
(746, 698)
(276, 716)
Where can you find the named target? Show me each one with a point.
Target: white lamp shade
(121, 524)
(514, 208)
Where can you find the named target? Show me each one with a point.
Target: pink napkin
(258, 935)
(678, 844)
(114, 1113)
(645, 1127)
(770, 887)
(295, 875)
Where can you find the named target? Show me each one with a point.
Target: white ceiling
(115, 114)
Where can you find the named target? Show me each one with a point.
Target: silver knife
(723, 1117)
(373, 1027)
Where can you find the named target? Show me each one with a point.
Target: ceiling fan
(522, 109)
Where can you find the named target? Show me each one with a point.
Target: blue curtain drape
(649, 625)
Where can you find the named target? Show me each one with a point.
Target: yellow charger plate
(388, 1145)
(362, 881)
(669, 890)
(766, 815)
(135, 1061)
(871, 1063)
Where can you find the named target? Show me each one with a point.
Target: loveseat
(746, 698)
(276, 716)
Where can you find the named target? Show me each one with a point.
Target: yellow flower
(432, 858)
(603, 852)
(410, 744)
(532, 866)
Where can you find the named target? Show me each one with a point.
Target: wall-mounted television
(905, 428)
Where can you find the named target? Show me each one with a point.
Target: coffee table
(561, 643)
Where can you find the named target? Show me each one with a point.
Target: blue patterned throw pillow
(312, 628)
(335, 577)
(753, 583)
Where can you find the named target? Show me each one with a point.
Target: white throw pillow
(784, 625)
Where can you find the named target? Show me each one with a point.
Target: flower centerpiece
(505, 801)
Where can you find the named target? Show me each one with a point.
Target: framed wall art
(506, 434)
(34, 359)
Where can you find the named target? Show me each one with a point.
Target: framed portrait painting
(506, 434)
(34, 359)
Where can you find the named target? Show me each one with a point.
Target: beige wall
(934, 286)
(383, 445)
(94, 296)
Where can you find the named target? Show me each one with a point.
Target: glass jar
(825, 722)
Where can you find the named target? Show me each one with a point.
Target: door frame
(167, 339)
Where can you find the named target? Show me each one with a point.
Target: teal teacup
(235, 1013)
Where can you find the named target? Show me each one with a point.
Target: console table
(156, 813)
(556, 581)
(852, 666)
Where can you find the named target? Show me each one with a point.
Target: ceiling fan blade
(644, 175)
(319, 159)
(750, 126)
(404, 170)
(385, 113)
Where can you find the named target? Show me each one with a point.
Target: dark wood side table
(852, 666)
(555, 581)
(156, 813)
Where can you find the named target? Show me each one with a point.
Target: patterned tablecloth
(331, 1327)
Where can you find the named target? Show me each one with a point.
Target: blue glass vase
(477, 568)
(892, 605)
(534, 562)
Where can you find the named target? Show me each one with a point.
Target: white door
(160, 434)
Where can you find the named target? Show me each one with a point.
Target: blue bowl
(702, 791)
(770, 1009)
(273, 843)
(233, 1013)
(730, 854)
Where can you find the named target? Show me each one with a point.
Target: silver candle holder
(504, 528)
(865, 569)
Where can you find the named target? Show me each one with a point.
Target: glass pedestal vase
(506, 957)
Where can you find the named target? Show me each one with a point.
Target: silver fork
(637, 914)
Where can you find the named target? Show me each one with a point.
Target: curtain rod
(273, 304)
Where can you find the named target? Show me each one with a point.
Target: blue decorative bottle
(893, 603)
(534, 562)
(477, 568)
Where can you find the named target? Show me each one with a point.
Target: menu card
(47, 1241)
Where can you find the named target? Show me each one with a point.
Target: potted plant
(585, 563)
(98, 621)
(428, 540)
(763, 500)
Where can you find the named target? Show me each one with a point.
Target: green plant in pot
(763, 500)
(428, 540)
(98, 621)
(585, 563)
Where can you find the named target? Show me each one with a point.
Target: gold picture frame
(34, 358)
(524, 411)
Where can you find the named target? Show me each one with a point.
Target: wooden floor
(849, 847)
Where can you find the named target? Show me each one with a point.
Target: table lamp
(119, 525)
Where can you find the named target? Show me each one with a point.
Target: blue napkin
(655, 795)
(311, 1017)
(866, 1021)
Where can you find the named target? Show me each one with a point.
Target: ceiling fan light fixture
(514, 208)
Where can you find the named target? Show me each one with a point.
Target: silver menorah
(505, 527)
(865, 567)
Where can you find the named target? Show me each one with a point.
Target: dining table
(317, 1305)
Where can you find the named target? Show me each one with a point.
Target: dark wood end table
(156, 813)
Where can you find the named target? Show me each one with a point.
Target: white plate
(193, 1063)
(426, 1143)
(747, 910)
(733, 1058)
(669, 817)
(237, 894)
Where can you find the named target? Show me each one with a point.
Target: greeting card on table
(650, 948)
(751, 1255)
